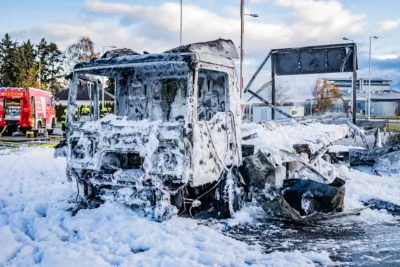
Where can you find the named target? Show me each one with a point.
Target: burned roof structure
(207, 51)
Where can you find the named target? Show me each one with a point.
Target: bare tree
(82, 50)
(281, 93)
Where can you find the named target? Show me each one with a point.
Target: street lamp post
(104, 80)
(40, 78)
(369, 77)
(247, 55)
(242, 14)
(250, 64)
(181, 26)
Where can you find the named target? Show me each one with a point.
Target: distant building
(384, 101)
(382, 104)
(257, 112)
(362, 84)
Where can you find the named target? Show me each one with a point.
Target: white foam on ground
(272, 136)
(342, 148)
(37, 230)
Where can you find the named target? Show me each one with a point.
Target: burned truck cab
(172, 144)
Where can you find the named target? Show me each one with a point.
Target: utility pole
(40, 78)
(241, 46)
(181, 26)
(242, 43)
(354, 83)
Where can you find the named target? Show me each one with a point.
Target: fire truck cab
(26, 109)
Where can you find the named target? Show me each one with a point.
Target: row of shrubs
(60, 109)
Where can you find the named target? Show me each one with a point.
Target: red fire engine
(26, 109)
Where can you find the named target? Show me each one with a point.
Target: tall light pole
(40, 78)
(104, 80)
(241, 42)
(369, 77)
(181, 26)
(248, 55)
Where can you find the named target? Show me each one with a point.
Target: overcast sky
(153, 25)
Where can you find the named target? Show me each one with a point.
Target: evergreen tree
(24, 63)
(110, 85)
(8, 72)
(50, 65)
(31, 78)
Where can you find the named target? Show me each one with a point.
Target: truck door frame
(33, 111)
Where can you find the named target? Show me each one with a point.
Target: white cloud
(387, 25)
(156, 28)
(328, 22)
(258, 2)
(324, 20)
(385, 57)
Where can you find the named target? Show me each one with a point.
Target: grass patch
(387, 117)
(380, 117)
(22, 144)
(393, 127)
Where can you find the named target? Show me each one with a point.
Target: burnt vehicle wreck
(174, 143)
(174, 135)
(291, 199)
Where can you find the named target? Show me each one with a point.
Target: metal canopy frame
(331, 53)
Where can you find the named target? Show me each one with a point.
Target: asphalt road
(21, 138)
(349, 243)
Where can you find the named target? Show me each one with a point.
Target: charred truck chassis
(173, 144)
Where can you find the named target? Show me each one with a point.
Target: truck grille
(12, 123)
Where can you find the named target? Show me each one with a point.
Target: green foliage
(24, 62)
(8, 54)
(110, 85)
(21, 64)
(51, 59)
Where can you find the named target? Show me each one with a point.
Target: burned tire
(92, 195)
(229, 196)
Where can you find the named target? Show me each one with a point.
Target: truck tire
(228, 193)
(39, 127)
(53, 125)
(8, 132)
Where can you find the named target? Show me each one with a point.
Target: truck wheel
(53, 125)
(229, 196)
(39, 126)
(8, 132)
